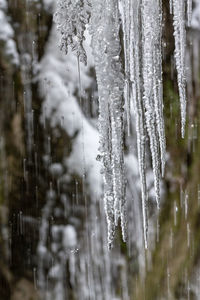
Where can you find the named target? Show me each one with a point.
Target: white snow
(59, 79)
(7, 34)
(3, 4)
(48, 4)
(69, 237)
(83, 161)
(56, 169)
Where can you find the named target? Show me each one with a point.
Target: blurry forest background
(53, 239)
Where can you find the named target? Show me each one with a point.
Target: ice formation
(178, 8)
(127, 49)
(143, 59)
(58, 80)
(110, 79)
(72, 17)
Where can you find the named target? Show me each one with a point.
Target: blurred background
(53, 235)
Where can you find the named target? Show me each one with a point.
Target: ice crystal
(71, 17)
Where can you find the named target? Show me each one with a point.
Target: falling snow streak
(180, 44)
(110, 79)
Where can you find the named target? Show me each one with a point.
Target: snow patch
(69, 237)
(7, 35)
(59, 79)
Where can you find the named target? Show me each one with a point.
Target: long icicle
(135, 78)
(150, 30)
(106, 51)
(180, 44)
(158, 85)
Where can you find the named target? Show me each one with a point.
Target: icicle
(127, 55)
(189, 11)
(150, 16)
(140, 129)
(135, 74)
(106, 51)
(142, 27)
(180, 43)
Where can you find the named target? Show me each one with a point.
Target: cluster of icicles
(138, 80)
